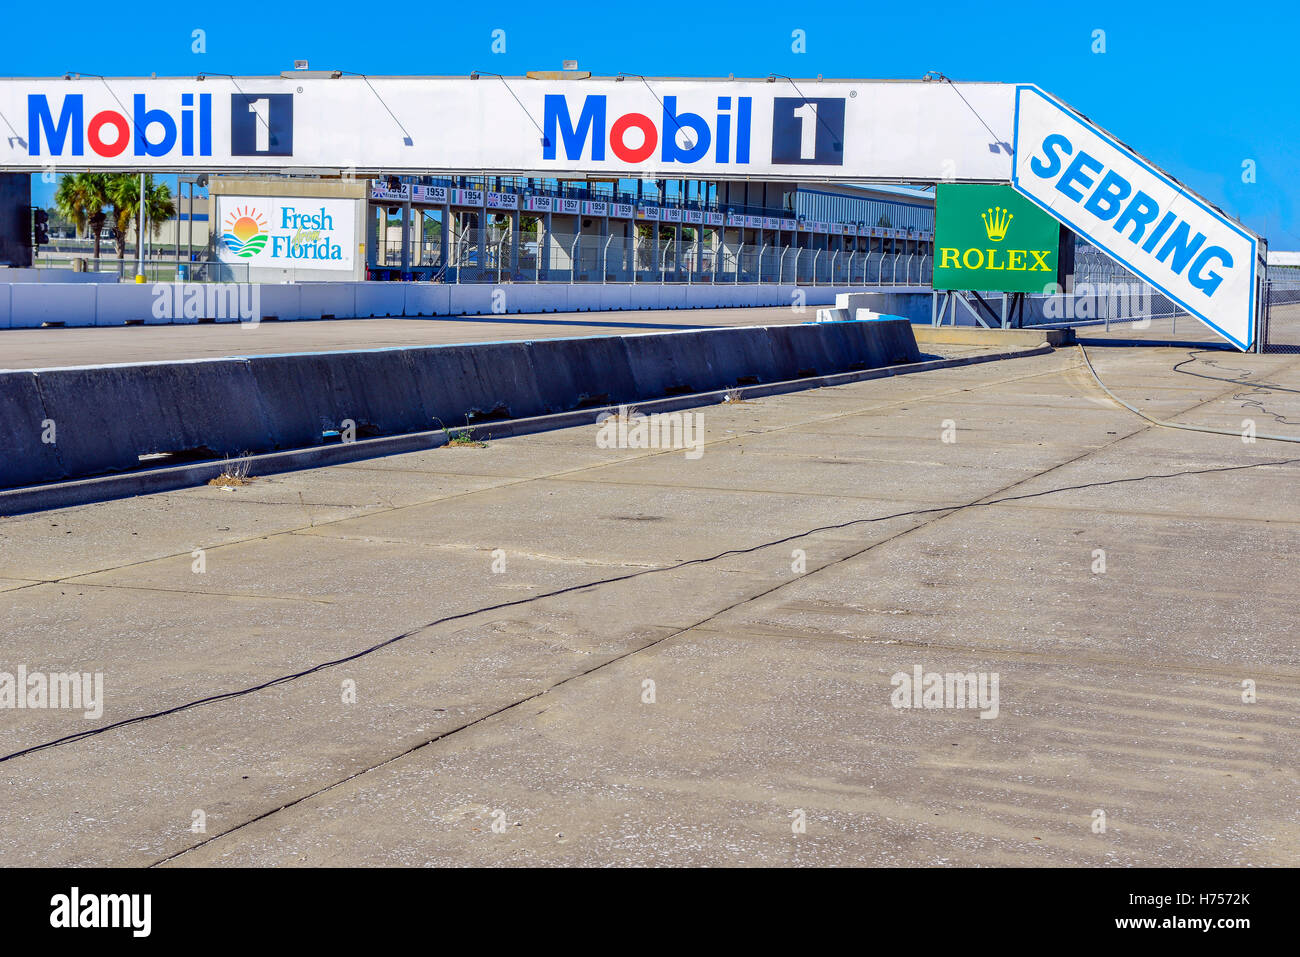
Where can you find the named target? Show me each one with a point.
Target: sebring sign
(1135, 213)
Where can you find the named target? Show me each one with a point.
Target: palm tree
(82, 197)
(124, 197)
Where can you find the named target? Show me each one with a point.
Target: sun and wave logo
(245, 233)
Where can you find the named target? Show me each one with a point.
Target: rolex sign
(992, 239)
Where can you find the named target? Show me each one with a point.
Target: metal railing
(158, 269)
(496, 255)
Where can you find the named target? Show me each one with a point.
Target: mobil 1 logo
(808, 131)
(261, 124)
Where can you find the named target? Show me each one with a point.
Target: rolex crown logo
(996, 222)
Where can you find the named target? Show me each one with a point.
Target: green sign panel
(992, 239)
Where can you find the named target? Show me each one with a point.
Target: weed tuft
(234, 472)
(461, 438)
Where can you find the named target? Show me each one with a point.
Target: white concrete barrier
(512, 297)
(120, 303)
(646, 297)
(583, 298)
(673, 297)
(616, 297)
(33, 304)
(337, 300)
(281, 302)
(379, 299)
(472, 300)
(425, 299)
(27, 305)
(854, 302)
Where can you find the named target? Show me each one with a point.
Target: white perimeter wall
(29, 305)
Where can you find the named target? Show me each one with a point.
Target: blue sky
(1198, 88)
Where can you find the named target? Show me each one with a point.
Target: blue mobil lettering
(590, 132)
(108, 133)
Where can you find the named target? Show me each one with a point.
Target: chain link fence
(1282, 311)
(1107, 301)
(1120, 297)
(1111, 300)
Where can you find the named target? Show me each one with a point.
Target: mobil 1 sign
(1136, 214)
(989, 238)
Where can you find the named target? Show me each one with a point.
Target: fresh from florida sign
(1138, 215)
(988, 238)
(286, 232)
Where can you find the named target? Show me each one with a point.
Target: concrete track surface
(502, 611)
